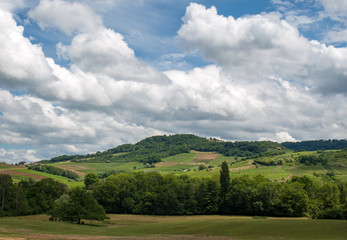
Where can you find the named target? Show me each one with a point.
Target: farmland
(188, 163)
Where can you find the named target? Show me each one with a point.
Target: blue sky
(83, 76)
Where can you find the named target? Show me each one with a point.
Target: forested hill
(153, 149)
(316, 145)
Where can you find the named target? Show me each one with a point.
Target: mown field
(173, 227)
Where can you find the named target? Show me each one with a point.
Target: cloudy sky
(79, 76)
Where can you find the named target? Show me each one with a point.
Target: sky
(78, 77)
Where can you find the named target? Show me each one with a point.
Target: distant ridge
(316, 145)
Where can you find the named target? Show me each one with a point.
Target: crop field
(173, 227)
(20, 173)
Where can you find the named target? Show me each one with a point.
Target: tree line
(55, 171)
(315, 145)
(155, 194)
(152, 193)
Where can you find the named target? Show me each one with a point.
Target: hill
(196, 156)
(153, 149)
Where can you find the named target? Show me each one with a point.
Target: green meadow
(174, 227)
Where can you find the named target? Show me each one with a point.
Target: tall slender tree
(224, 184)
(5, 186)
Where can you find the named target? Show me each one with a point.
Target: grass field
(173, 227)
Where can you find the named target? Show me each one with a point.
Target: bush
(202, 167)
(331, 213)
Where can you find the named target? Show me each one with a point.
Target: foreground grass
(144, 226)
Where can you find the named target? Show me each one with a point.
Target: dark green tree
(90, 179)
(224, 180)
(78, 204)
(5, 186)
(292, 200)
(42, 194)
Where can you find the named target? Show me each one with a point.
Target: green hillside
(199, 157)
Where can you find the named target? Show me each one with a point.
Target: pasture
(173, 227)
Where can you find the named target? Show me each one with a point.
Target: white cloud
(9, 5)
(52, 130)
(337, 36)
(21, 63)
(11, 156)
(263, 45)
(69, 17)
(337, 9)
(105, 52)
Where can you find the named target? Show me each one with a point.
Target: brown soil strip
(206, 156)
(73, 168)
(10, 172)
(166, 164)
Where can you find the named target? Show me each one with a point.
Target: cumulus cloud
(259, 45)
(21, 63)
(105, 52)
(69, 17)
(11, 156)
(53, 130)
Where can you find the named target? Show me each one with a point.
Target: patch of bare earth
(11, 172)
(74, 168)
(166, 164)
(169, 237)
(206, 156)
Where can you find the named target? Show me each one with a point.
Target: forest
(155, 194)
(316, 145)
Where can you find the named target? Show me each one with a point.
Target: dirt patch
(11, 172)
(166, 164)
(206, 156)
(74, 168)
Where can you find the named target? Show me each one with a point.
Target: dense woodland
(316, 145)
(156, 194)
